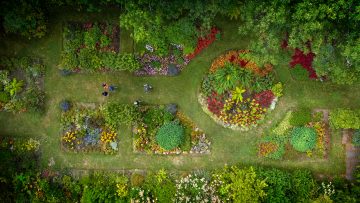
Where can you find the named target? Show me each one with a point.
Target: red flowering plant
(215, 103)
(305, 60)
(264, 98)
(202, 43)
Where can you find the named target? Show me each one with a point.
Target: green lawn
(228, 146)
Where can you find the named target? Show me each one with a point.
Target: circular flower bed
(236, 92)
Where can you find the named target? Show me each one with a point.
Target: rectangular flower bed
(21, 84)
(163, 130)
(92, 46)
(84, 129)
(302, 134)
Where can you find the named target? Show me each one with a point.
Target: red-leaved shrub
(264, 98)
(215, 103)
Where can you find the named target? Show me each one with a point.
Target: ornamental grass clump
(170, 135)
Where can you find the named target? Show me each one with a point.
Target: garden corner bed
(84, 129)
(164, 130)
(302, 134)
(237, 93)
(21, 84)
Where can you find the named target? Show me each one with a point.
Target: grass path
(228, 146)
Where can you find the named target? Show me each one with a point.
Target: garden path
(352, 155)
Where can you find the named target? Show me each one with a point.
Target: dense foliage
(170, 135)
(303, 139)
(116, 114)
(345, 118)
(300, 117)
(328, 29)
(22, 181)
(25, 94)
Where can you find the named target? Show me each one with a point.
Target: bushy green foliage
(161, 186)
(303, 139)
(119, 61)
(116, 114)
(345, 118)
(89, 59)
(25, 18)
(240, 185)
(303, 186)
(279, 185)
(4, 97)
(206, 85)
(92, 36)
(136, 179)
(170, 136)
(156, 117)
(277, 89)
(103, 188)
(226, 78)
(356, 138)
(300, 117)
(299, 73)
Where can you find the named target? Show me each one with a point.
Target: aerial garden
(179, 101)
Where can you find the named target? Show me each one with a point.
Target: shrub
(303, 139)
(356, 138)
(279, 185)
(240, 185)
(299, 73)
(264, 98)
(301, 117)
(303, 186)
(206, 85)
(4, 97)
(34, 99)
(226, 78)
(277, 89)
(157, 116)
(345, 118)
(136, 179)
(116, 114)
(170, 135)
(120, 61)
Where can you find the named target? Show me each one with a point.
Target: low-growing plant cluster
(94, 47)
(303, 130)
(163, 131)
(21, 87)
(238, 93)
(87, 128)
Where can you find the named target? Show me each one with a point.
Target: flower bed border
(177, 151)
